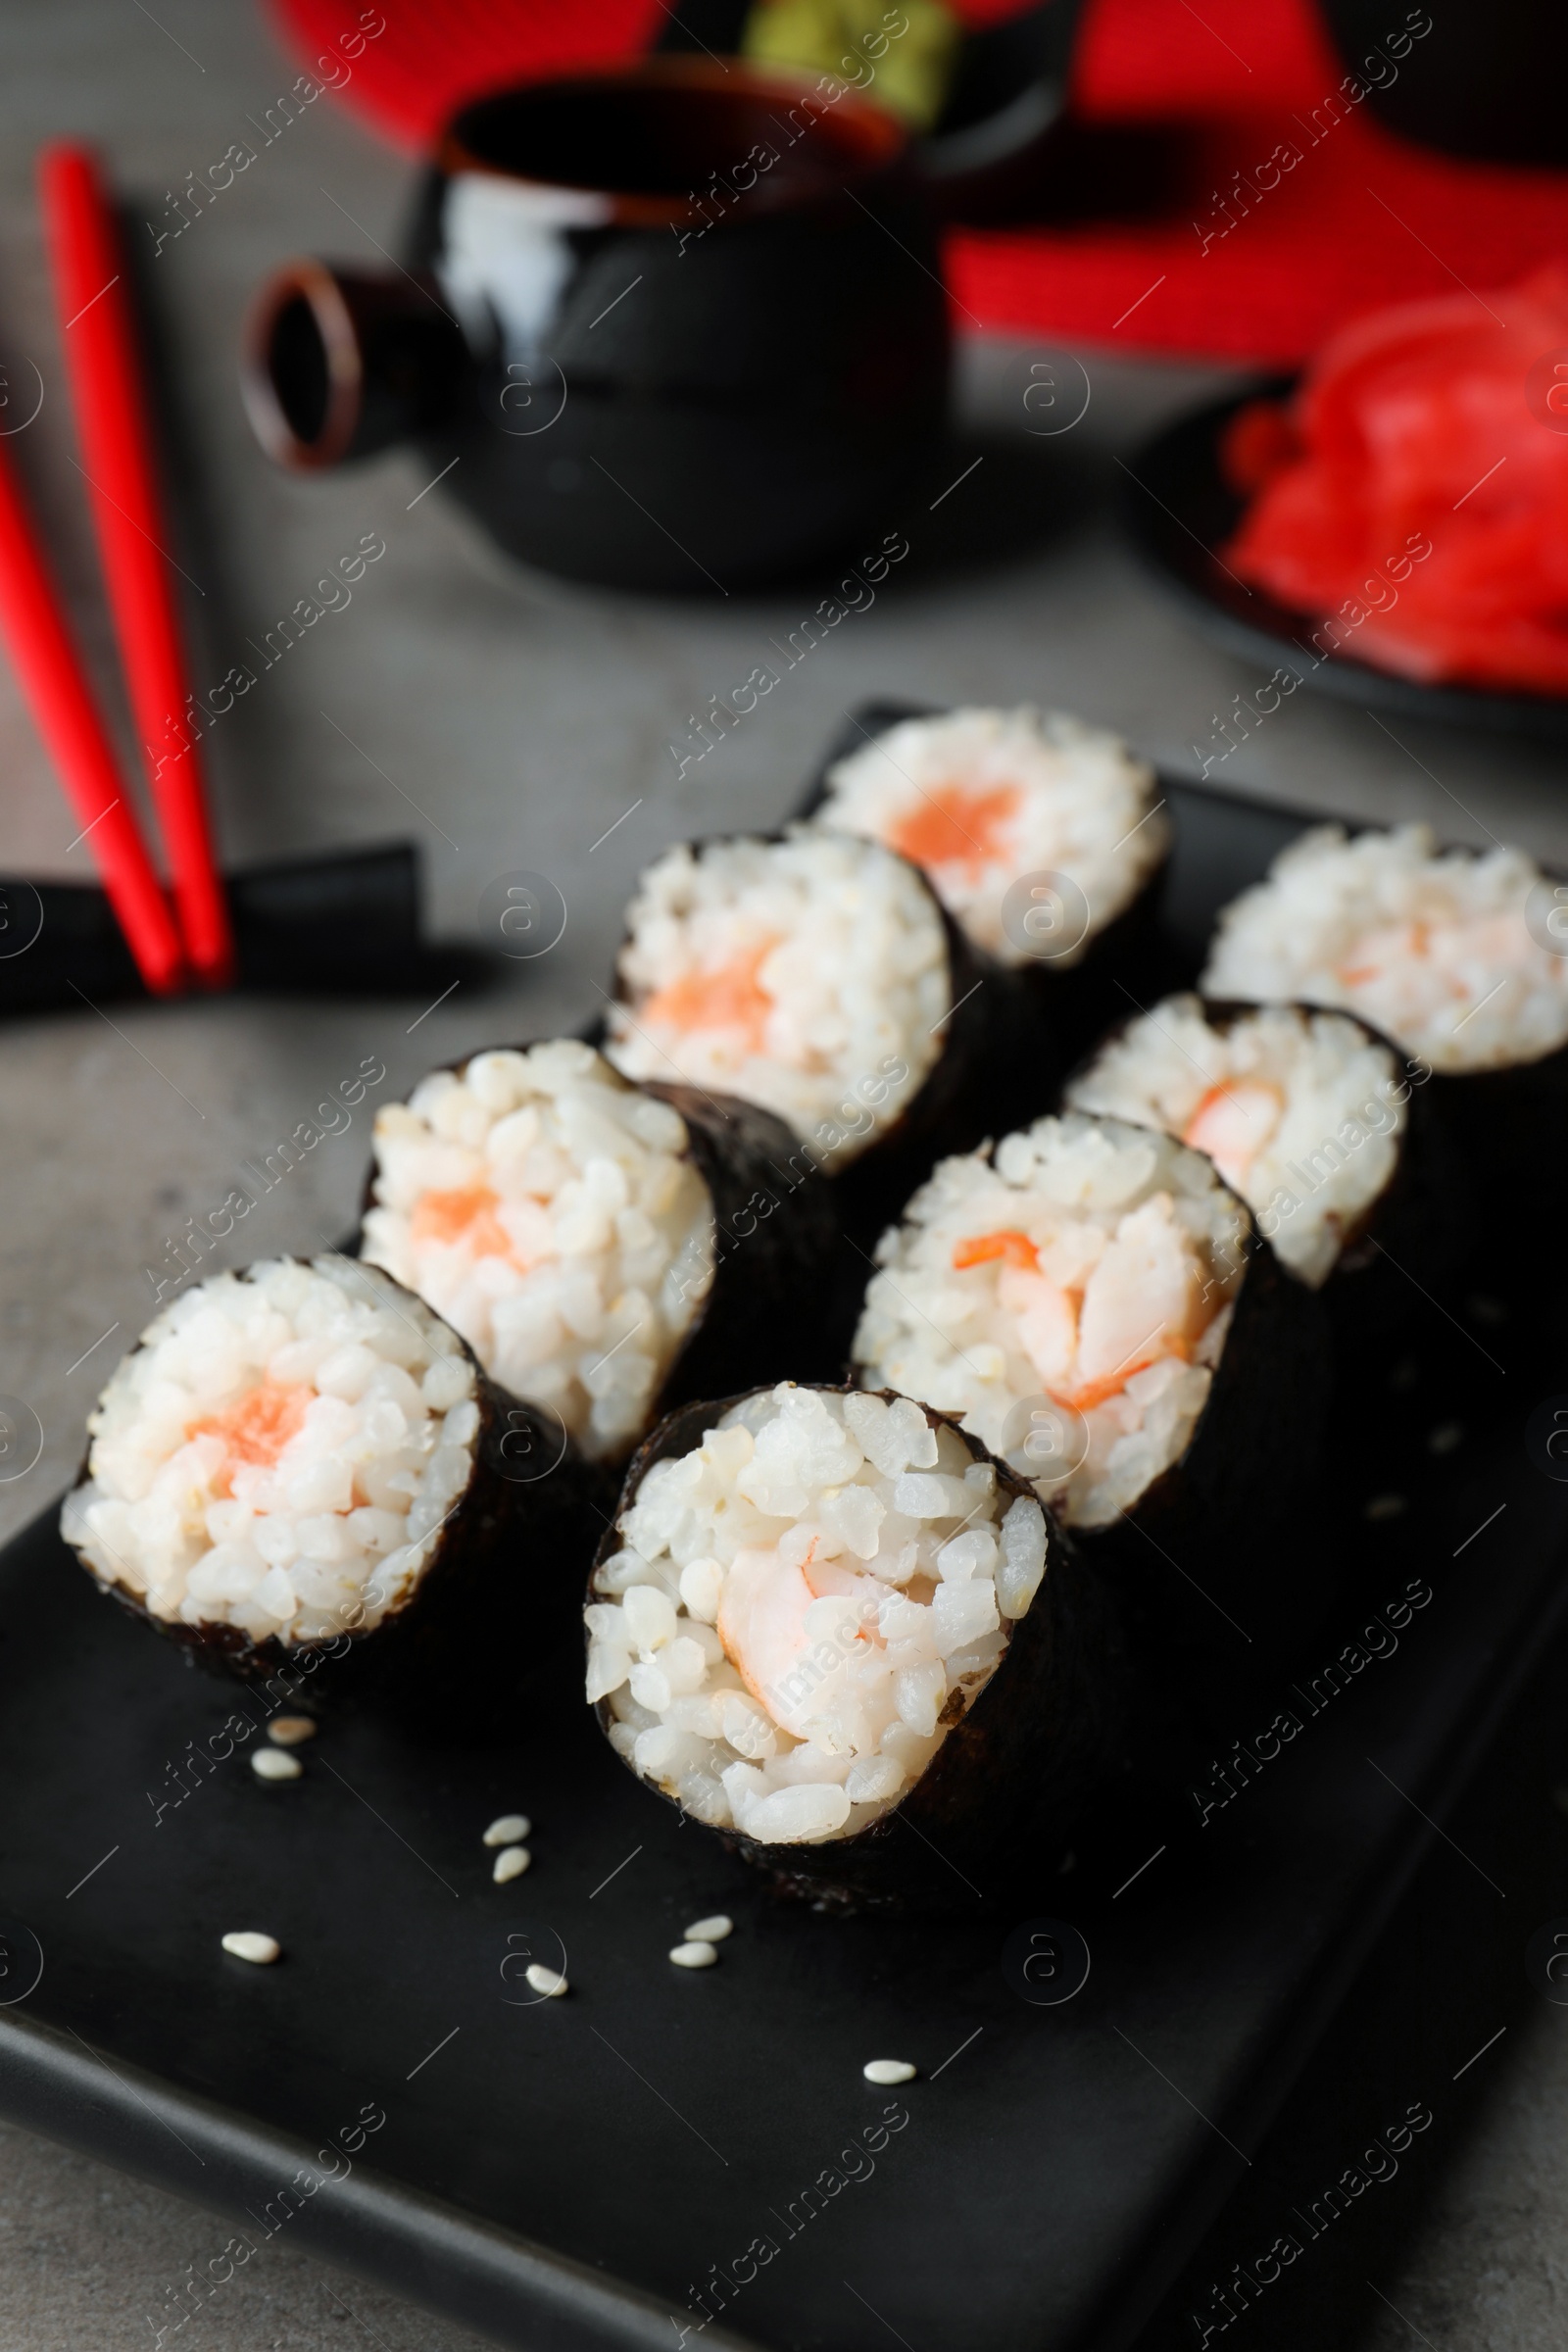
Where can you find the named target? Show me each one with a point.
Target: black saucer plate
(1178, 509)
(596, 2173)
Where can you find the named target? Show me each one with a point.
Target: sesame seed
(510, 1863)
(509, 1830)
(888, 2071)
(548, 1981)
(292, 1730)
(696, 1954)
(273, 1764)
(711, 1931)
(246, 1944)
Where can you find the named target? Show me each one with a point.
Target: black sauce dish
(675, 324)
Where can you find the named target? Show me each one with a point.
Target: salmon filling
(728, 998)
(956, 825)
(466, 1216)
(257, 1427)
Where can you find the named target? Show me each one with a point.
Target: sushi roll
(608, 1250)
(1452, 954)
(1315, 1120)
(302, 1463)
(825, 1620)
(814, 974)
(990, 802)
(1091, 1300)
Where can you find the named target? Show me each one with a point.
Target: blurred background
(479, 574)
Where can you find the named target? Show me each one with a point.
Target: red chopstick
(44, 656)
(111, 418)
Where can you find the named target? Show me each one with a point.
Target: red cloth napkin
(1359, 220)
(1363, 218)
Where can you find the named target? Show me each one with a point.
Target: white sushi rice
(552, 1213)
(280, 1454)
(1300, 1111)
(979, 796)
(1083, 1262)
(802, 1607)
(1430, 947)
(809, 975)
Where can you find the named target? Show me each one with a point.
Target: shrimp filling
(553, 1215)
(979, 798)
(1453, 955)
(1067, 1296)
(809, 975)
(280, 1453)
(804, 1606)
(1302, 1112)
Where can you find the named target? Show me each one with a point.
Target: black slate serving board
(604, 2170)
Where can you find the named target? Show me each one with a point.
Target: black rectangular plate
(592, 2171)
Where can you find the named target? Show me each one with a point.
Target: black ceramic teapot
(678, 324)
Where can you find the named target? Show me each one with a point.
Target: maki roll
(1094, 1302)
(302, 1460)
(823, 1621)
(1452, 954)
(1044, 838)
(814, 974)
(1435, 947)
(574, 1228)
(1311, 1116)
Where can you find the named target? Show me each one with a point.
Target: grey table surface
(507, 721)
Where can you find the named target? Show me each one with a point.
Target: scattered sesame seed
(274, 1764)
(695, 1954)
(1446, 1437)
(1384, 1506)
(246, 1944)
(889, 2071)
(711, 1931)
(548, 1981)
(509, 1830)
(510, 1863)
(292, 1730)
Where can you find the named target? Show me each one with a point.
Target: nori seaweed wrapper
(1218, 1572)
(501, 1586)
(1009, 1781)
(954, 1108)
(1506, 1134)
(1043, 1016)
(776, 1237)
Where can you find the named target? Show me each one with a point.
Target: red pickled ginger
(1413, 496)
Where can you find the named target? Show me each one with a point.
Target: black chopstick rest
(343, 924)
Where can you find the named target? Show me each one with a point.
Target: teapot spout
(337, 363)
